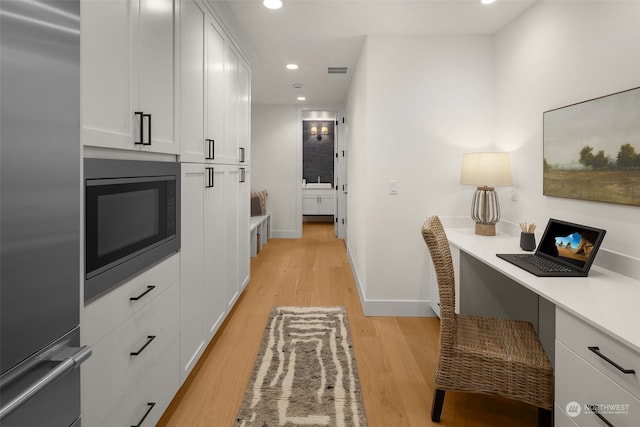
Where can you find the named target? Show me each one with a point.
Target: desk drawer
(579, 382)
(110, 310)
(561, 419)
(112, 370)
(579, 336)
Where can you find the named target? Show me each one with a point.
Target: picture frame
(591, 149)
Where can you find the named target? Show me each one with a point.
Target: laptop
(565, 250)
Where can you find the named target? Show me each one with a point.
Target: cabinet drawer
(579, 336)
(106, 313)
(561, 419)
(579, 382)
(112, 370)
(151, 396)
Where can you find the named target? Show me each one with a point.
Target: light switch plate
(393, 187)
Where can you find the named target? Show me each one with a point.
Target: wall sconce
(324, 131)
(485, 170)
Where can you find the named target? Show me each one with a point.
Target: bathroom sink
(319, 185)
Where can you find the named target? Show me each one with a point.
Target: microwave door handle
(65, 365)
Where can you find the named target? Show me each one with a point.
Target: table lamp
(485, 171)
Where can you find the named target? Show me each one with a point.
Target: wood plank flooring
(395, 355)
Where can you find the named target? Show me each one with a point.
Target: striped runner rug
(305, 372)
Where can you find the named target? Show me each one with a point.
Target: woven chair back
(438, 244)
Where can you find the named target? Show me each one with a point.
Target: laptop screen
(570, 244)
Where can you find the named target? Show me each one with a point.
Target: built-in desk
(571, 315)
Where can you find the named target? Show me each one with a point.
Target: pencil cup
(528, 241)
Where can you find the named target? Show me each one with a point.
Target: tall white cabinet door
(244, 112)
(192, 334)
(231, 152)
(214, 297)
(215, 89)
(231, 222)
(108, 91)
(156, 73)
(192, 81)
(244, 214)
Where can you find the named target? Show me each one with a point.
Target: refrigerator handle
(65, 366)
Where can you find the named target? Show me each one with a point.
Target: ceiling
(317, 34)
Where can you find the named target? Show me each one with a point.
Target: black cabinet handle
(140, 114)
(210, 178)
(149, 339)
(211, 149)
(596, 350)
(149, 289)
(242, 175)
(241, 154)
(142, 117)
(148, 116)
(594, 409)
(150, 405)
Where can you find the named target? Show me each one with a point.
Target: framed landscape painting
(592, 149)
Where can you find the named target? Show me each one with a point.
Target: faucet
(318, 179)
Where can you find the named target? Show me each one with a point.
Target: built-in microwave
(132, 219)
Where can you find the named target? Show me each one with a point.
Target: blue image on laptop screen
(569, 243)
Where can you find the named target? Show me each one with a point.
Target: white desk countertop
(606, 300)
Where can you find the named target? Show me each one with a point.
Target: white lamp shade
(489, 169)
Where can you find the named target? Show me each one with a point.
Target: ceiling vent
(337, 70)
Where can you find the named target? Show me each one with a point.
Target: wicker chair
(483, 354)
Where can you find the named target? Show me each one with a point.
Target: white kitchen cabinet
(202, 303)
(128, 78)
(244, 112)
(318, 201)
(133, 342)
(244, 235)
(201, 84)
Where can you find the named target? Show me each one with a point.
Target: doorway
(320, 169)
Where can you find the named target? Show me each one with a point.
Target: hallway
(395, 355)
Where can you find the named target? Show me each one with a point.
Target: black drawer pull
(149, 289)
(151, 405)
(149, 339)
(594, 409)
(596, 350)
(241, 154)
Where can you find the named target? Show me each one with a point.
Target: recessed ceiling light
(292, 66)
(487, 1)
(301, 98)
(272, 4)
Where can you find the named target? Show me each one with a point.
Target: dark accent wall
(317, 154)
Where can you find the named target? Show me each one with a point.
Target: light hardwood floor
(395, 355)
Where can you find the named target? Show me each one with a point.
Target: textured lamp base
(485, 229)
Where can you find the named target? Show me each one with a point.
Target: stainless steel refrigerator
(40, 213)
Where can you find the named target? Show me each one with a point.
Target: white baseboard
(389, 308)
(284, 234)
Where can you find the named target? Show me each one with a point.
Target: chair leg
(545, 417)
(436, 407)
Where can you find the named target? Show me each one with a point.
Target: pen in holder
(527, 241)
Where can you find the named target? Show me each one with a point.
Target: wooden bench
(260, 231)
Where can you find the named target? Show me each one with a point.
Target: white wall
(274, 167)
(416, 104)
(557, 54)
